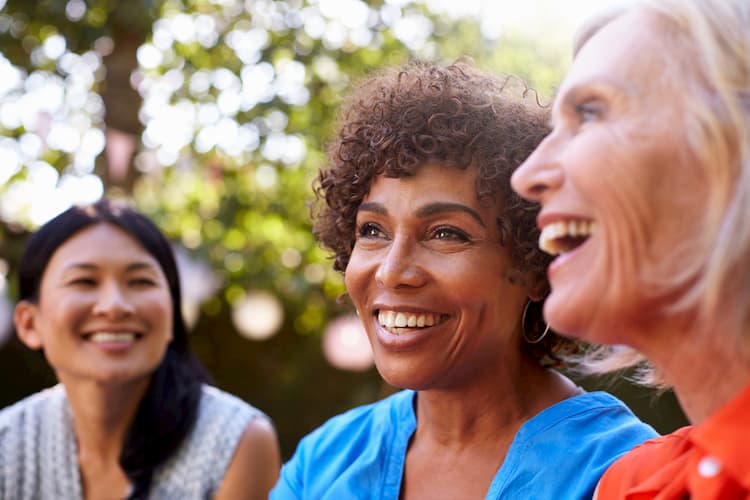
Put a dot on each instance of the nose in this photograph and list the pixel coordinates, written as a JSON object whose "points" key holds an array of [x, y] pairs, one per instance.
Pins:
{"points": [[540, 174], [111, 301], [400, 266]]}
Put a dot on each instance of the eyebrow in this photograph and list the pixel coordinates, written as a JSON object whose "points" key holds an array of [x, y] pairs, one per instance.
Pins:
{"points": [[135, 266], [426, 210], [597, 82], [574, 92]]}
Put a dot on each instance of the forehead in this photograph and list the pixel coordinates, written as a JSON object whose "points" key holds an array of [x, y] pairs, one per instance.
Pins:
{"points": [[100, 243], [431, 179], [628, 51]]}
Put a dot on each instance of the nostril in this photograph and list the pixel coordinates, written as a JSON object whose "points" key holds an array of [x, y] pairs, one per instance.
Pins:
{"points": [[533, 183], [536, 189]]}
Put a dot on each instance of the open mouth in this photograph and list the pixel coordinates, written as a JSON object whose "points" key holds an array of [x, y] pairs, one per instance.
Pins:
{"points": [[564, 236], [112, 337], [398, 322]]}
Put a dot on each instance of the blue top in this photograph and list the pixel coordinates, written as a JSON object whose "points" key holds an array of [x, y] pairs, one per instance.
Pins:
{"points": [[560, 453]]}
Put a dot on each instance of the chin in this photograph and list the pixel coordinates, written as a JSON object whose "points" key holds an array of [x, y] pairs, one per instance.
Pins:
{"points": [[401, 375], [561, 316], [394, 378], [589, 324]]}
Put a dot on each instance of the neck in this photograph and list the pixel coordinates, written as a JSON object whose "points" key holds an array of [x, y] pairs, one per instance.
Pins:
{"points": [[493, 407], [705, 368], [102, 414]]}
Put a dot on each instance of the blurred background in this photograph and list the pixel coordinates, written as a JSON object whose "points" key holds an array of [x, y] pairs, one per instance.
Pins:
{"points": [[212, 116]]}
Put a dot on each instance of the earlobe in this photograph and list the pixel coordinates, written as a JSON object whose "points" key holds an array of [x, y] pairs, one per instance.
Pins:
{"points": [[536, 291], [24, 318], [536, 296]]}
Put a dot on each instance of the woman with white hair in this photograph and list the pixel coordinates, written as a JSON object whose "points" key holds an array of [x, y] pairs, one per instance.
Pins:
{"points": [[644, 184]]}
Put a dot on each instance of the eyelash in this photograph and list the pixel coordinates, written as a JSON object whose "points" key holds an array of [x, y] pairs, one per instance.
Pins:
{"points": [[371, 230], [367, 229], [93, 282], [455, 234], [588, 111], [83, 281], [142, 281]]}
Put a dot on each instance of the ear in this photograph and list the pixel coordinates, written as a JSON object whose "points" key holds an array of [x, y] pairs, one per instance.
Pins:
{"points": [[536, 288], [25, 319], [535, 295]]}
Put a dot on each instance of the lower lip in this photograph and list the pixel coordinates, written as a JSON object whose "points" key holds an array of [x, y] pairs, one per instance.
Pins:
{"points": [[406, 341], [562, 259], [113, 347]]}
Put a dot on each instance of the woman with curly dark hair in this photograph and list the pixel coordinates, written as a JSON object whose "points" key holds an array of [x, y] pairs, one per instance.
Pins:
{"points": [[441, 262]]}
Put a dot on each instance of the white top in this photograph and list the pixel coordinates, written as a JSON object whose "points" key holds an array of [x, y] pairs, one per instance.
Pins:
{"points": [[39, 459]]}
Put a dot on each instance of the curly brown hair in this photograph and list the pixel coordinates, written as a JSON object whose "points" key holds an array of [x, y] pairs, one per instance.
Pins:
{"points": [[401, 118]]}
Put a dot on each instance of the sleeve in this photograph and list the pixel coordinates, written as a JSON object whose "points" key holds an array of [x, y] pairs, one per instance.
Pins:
{"points": [[3, 459], [289, 485], [197, 468], [11, 449], [222, 420]]}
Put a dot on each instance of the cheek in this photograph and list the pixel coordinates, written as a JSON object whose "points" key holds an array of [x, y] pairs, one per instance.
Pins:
{"points": [[620, 194], [157, 308], [66, 311], [480, 281], [354, 277]]}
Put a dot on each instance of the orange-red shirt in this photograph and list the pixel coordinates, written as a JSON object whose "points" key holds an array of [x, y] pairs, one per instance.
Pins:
{"points": [[710, 461]]}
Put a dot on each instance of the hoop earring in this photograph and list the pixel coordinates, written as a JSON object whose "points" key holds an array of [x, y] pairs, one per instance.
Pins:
{"points": [[526, 333]]}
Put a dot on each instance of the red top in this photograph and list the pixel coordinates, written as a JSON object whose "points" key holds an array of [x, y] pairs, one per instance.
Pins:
{"points": [[710, 461]]}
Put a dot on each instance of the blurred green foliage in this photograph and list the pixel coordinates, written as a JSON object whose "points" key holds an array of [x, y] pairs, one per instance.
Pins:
{"points": [[238, 208]]}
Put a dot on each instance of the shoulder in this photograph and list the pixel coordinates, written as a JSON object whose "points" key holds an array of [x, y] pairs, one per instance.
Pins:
{"points": [[215, 402], [201, 462], [360, 424], [224, 415], [582, 436], [34, 438], [257, 444], [255, 465], [642, 461], [595, 412], [222, 419], [599, 422], [350, 450], [657, 450], [30, 408]]}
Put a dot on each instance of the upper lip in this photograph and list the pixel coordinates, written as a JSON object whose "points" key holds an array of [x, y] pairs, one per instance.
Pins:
{"points": [[544, 219], [404, 309], [111, 329]]}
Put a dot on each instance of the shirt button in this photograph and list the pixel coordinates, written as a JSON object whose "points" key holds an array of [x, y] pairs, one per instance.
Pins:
{"points": [[709, 467]]}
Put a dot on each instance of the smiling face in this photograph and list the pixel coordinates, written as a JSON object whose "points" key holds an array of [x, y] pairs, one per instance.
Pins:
{"points": [[620, 193], [429, 279], [104, 311]]}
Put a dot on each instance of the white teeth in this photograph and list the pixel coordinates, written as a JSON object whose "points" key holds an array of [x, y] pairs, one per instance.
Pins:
{"points": [[551, 235], [397, 320], [573, 228], [401, 320], [102, 337]]}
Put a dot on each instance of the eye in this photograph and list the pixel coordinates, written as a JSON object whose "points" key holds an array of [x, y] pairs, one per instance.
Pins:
{"points": [[589, 111], [142, 282], [449, 233], [370, 230], [82, 282]]}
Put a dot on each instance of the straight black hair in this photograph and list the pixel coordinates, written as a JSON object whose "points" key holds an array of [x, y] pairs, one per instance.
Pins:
{"points": [[169, 407]]}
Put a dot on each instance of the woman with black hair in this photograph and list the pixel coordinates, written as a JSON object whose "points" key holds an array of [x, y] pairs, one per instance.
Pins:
{"points": [[132, 416]]}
